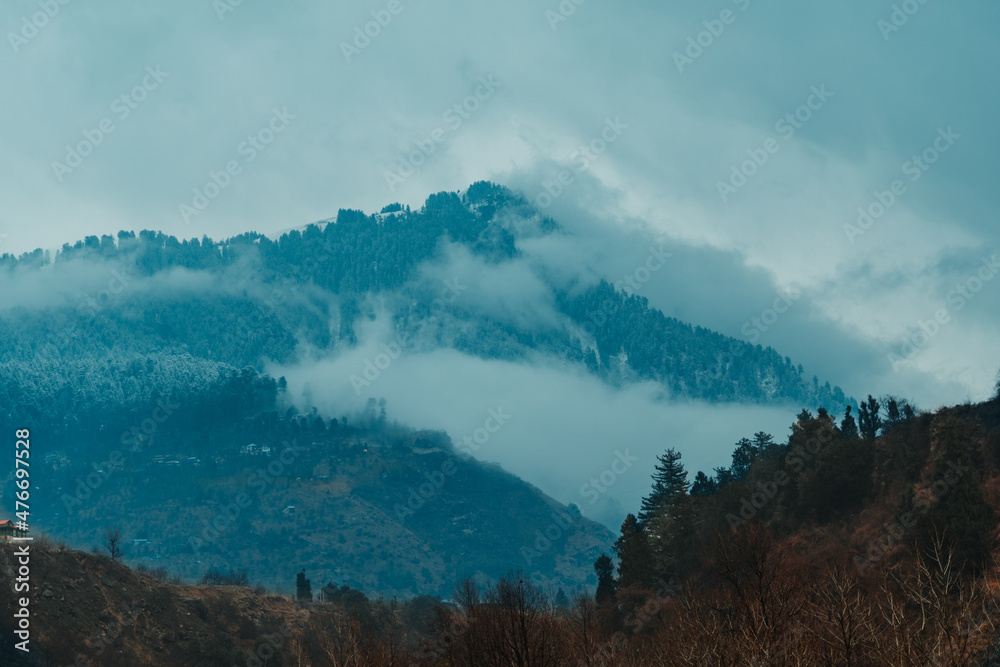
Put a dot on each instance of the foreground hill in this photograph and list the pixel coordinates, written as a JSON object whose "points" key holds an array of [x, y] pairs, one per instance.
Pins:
{"points": [[90, 610], [375, 506], [782, 567], [862, 544]]}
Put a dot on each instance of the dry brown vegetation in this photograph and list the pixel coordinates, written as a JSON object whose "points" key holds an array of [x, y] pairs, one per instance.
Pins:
{"points": [[784, 588]]}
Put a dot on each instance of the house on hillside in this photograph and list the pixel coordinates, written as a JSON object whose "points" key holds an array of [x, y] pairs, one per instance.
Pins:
{"points": [[8, 531], [329, 593]]}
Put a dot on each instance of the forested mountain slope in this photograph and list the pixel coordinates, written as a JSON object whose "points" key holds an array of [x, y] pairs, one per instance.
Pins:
{"points": [[139, 365], [250, 298]]}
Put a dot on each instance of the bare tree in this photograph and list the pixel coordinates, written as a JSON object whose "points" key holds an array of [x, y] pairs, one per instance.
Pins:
{"points": [[843, 618], [113, 542]]}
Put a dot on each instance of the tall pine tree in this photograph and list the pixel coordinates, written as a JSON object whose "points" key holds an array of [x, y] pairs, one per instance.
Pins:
{"points": [[635, 558], [869, 421], [848, 426], [605, 570], [763, 441], [704, 485], [743, 456], [303, 589], [669, 480], [671, 533]]}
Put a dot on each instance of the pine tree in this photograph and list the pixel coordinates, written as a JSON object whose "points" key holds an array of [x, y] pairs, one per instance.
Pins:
{"points": [[763, 442], [723, 476], [635, 558], [743, 456], [703, 485], [869, 421], [671, 533], [848, 426], [892, 411], [303, 589], [605, 578], [669, 480]]}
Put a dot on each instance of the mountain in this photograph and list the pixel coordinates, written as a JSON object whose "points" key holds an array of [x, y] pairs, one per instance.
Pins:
{"points": [[198, 469], [140, 365], [250, 299]]}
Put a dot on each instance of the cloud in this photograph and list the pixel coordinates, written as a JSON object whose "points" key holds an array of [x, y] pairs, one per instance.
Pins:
{"points": [[783, 231], [562, 428], [509, 292]]}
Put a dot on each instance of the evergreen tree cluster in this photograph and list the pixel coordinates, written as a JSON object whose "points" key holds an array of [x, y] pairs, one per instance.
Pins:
{"points": [[250, 300], [821, 475]]}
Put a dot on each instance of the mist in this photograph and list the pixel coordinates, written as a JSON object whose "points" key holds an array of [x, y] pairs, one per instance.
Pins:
{"points": [[564, 429]]}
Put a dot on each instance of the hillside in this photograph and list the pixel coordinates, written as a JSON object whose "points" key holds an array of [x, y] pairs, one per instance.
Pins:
{"points": [[904, 571], [869, 543], [91, 610], [140, 366], [250, 299], [372, 505]]}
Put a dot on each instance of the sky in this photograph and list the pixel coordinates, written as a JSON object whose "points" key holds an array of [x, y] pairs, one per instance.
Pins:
{"points": [[838, 156]]}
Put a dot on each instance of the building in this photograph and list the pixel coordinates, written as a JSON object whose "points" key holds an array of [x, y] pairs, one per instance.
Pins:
{"points": [[8, 531]]}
